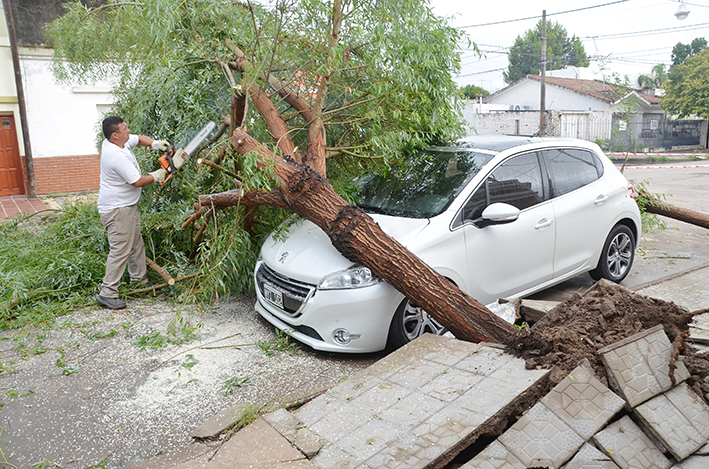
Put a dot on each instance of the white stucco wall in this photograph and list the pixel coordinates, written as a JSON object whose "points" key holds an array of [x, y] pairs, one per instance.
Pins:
{"points": [[527, 93], [63, 120], [8, 90], [491, 121]]}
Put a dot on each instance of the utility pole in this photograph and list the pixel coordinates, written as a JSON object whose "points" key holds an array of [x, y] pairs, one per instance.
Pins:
{"points": [[29, 164], [542, 105]]}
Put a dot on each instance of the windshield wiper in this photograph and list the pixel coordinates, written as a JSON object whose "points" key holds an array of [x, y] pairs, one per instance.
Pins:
{"points": [[373, 209]]}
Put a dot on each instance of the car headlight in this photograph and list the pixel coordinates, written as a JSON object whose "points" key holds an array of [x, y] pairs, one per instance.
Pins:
{"points": [[355, 277]]}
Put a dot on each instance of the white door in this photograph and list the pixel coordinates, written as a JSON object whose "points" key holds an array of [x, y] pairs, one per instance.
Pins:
{"points": [[508, 258]]}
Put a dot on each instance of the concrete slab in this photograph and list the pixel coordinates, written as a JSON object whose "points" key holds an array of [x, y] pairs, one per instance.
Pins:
{"points": [[256, 445], [197, 454], [693, 462], [583, 402], [221, 422], [639, 365], [494, 456], [415, 406], [541, 439], [629, 447], [670, 427], [590, 457]]}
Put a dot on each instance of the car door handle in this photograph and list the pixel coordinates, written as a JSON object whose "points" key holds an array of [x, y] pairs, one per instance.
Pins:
{"points": [[543, 223], [600, 199]]}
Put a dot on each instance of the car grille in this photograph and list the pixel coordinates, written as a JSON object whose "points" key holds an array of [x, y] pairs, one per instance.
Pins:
{"points": [[293, 294]]}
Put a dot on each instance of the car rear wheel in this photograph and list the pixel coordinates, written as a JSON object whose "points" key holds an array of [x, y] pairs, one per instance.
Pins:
{"points": [[410, 322], [617, 255]]}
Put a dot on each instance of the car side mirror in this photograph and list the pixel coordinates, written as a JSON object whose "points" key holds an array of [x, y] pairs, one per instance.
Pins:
{"points": [[497, 214]]}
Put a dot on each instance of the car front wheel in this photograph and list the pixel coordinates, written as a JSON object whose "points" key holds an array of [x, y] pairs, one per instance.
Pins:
{"points": [[411, 322], [617, 255]]}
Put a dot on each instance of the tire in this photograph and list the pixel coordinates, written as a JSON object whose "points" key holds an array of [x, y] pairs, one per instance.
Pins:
{"points": [[617, 255], [409, 323]]}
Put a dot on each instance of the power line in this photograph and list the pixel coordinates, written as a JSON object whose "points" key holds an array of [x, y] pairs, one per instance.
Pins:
{"points": [[651, 31], [539, 16], [480, 73]]}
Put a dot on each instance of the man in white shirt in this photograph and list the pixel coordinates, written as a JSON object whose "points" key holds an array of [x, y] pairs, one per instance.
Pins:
{"points": [[118, 196]]}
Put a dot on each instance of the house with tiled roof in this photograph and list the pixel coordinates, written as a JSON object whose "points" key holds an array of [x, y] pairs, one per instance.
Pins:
{"points": [[578, 108]]}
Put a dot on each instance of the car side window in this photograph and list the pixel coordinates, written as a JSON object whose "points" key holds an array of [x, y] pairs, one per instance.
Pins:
{"points": [[517, 181], [571, 168]]}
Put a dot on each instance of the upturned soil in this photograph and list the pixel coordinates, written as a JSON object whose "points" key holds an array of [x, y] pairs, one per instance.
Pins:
{"points": [[607, 313]]}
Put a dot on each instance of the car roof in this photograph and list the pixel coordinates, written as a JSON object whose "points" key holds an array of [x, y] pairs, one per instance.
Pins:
{"points": [[497, 143]]}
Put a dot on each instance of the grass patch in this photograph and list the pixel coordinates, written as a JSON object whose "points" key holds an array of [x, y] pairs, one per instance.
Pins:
{"points": [[280, 343], [231, 384], [179, 331]]}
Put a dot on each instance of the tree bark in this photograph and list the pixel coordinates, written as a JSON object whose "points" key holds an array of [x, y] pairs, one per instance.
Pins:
{"points": [[659, 207]]}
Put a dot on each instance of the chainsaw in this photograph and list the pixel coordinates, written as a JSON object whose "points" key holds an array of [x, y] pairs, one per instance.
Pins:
{"points": [[173, 160]]}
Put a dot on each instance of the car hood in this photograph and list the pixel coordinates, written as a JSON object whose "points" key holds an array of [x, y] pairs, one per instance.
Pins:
{"points": [[305, 252]]}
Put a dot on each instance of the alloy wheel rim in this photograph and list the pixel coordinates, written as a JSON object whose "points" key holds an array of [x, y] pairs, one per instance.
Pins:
{"points": [[416, 322], [619, 253]]}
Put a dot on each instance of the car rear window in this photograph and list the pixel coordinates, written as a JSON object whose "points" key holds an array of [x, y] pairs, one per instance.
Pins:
{"points": [[570, 169], [424, 186]]}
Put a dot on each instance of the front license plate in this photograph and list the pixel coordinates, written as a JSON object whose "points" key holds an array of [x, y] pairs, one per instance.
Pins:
{"points": [[273, 295]]}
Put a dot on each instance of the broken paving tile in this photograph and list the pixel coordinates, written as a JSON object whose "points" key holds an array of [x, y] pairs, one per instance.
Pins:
{"points": [[699, 329], [284, 422], [583, 402], [401, 416], [692, 406], [494, 456], [590, 457], [220, 422], [670, 427], [639, 365], [693, 462], [540, 438], [629, 447]]}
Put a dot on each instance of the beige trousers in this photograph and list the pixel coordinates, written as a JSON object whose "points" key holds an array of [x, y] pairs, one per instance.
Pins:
{"points": [[125, 247]]}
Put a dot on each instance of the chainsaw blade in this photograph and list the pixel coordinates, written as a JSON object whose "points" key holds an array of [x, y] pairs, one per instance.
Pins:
{"points": [[200, 137]]}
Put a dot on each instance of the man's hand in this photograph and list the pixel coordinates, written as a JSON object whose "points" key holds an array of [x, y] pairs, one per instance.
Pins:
{"points": [[159, 175], [161, 145]]}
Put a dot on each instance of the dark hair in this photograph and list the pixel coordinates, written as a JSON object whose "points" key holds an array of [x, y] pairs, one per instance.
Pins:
{"points": [[110, 125]]}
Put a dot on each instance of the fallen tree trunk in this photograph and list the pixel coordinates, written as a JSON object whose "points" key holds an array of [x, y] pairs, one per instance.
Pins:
{"points": [[658, 207], [361, 240]]}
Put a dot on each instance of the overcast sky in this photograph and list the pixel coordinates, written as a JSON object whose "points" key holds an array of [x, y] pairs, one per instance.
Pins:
{"points": [[631, 35]]}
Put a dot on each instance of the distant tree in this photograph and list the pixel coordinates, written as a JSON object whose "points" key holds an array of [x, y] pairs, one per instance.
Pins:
{"points": [[562, 51], [687, 87], [681, 52], [656, 78], [472, 91]]}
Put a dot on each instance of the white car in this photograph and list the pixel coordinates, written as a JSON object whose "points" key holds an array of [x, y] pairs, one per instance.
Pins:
{"points": [[499, 216]]}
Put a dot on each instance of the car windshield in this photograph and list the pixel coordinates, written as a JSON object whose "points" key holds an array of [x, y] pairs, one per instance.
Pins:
{"points": [[422, 187]]}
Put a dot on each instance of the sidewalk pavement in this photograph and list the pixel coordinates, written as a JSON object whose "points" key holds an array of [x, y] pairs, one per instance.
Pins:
{"points": [[422, 405], [12, 206]]}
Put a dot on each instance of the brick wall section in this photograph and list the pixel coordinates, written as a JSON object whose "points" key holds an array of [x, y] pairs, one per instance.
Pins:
{"points": [[63, 174]]}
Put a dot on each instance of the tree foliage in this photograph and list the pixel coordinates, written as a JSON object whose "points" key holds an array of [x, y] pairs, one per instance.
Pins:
{"points": [[687, 87], [681, 52], [656, 78], [473, 91], [382, 89], [562, 51]]}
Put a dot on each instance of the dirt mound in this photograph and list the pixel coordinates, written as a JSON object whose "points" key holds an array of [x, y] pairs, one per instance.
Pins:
{"points": [[579, 327]]}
